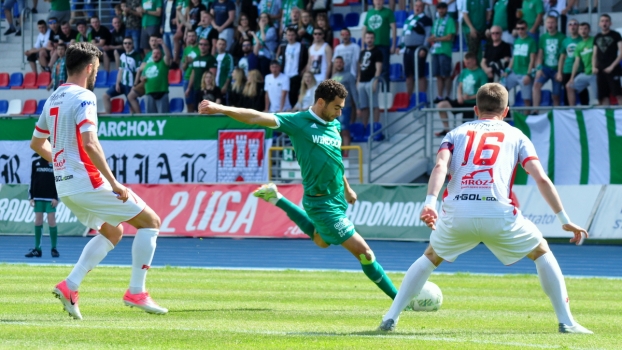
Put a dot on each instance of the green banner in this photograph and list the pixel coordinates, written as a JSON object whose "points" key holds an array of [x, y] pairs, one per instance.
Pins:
{"points": [[17, 216], [389, 212]]}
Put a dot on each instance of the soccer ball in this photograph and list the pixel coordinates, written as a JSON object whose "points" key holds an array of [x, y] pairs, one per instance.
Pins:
{"points": [[429, 299]]}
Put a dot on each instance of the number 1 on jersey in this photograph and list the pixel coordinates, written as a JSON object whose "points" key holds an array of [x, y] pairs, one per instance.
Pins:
{"points": [[54, 114], [483, 146]]}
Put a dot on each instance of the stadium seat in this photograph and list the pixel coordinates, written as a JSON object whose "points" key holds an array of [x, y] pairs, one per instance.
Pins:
{"points": [[176, 105], [377, 137], [143, 108], [126, 108], [400, 102], [174, 77], [352, 19], [547, 98], [336, 21], [357, 131], [90, 7], [340, 3], [16, 81], [4, 81], [382, 104], [116, 105], [362, 20], [396, 72], [112, 78], [15, 107], [4, 106], [102, 79], [40, 107], [518, 100], [30, 107], [30, 81], [336, 41], [354, 2], [457, 70], [423, 98], [400, 18], [43, 80], [613, 100]]}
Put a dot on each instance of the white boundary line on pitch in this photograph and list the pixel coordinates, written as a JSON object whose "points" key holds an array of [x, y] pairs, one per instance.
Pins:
{"points": [[310, 270]]}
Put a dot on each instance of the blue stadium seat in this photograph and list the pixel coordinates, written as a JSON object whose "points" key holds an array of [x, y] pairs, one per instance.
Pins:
{"points": [[112, 78], [143, 108], [423, 97], [518, 100], [377, 137], [40, 107], [336, 21], [357, 130], [400, 18], [396, 72], [352, 19], [4, 106], [547, 98], [89, 8], [17, 80], [101, 81], [126, 108], [176, 105]]}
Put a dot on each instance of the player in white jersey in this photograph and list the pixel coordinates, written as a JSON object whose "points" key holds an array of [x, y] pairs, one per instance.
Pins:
{"points": [[86, 185], [481, 157]]}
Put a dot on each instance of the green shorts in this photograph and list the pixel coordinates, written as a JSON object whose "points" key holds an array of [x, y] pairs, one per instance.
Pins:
{"points": [[328, 214], [44, 207]]}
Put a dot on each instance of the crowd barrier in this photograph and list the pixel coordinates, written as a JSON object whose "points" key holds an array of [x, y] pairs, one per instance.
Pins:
{"points": [[381, 212]]}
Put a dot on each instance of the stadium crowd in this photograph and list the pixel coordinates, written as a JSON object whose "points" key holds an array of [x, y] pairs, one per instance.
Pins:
{"points": [[271, 55]]}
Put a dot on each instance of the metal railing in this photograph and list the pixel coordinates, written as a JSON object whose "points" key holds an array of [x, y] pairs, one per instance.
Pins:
{"points": [[429, 62], [385, 113], [275, 163], [26, 13]]}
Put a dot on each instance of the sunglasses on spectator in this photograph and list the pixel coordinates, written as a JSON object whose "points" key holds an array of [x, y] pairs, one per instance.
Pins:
{"points": [[246, 45], [493, 33], [127, 43], [521, 28], [573, 24]]}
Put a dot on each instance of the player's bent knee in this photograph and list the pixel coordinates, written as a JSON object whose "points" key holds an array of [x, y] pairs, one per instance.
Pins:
{"points": [[317, 239], [540, 250], [368, 257], [432, 256]]}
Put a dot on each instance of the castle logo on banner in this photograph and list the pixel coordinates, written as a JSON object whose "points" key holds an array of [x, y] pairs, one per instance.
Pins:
{"points": [[241, 156]]}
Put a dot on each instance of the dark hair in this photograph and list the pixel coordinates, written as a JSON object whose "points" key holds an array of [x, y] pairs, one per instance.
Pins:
{"points": [[291, 29], [223, 39], [61, 44], [275, 62], [83, 22], [80, 55], [330, 89], [128, 37], [347, 30], [606, 15], [374, 34], [470, 56], [521, 22], [64, 23], [249, 40], [339, 58], [585, 24], [155, 35], [441, 5], [41, 21], [94, 16]]}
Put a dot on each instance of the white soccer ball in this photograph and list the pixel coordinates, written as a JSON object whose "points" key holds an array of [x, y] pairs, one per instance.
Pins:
{"points": [[429, 299]]}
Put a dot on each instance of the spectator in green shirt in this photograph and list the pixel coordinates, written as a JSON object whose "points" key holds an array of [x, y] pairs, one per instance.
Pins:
{"points": [[191, 51], [470, 80], [381, 21], [440, 40], [61, 9], [474, 23], [583, 57], [567, 59], [548, 62], [521, 68], [155, 42], [150, 11], [155, 77], [532, 12]]}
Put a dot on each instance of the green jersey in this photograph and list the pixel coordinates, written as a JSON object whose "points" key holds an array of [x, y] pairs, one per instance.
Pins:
{"points": [[531, 10], [129, 63], [60, 5], [569, 46], [585, 50], [224, 68], [477, 14], [192, 52], [501, 14], [551, 46], [148, 57], [379, 22], [199, 66], [523, 48], [157, 77], [317, 144], [471, 81], [441, 27], [151, 5]]}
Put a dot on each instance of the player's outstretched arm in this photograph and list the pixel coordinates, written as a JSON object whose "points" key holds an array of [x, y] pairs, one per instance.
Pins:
{"points": [[548, 191], [43, 147], [93, 148], [244, 115], [428, 213]]}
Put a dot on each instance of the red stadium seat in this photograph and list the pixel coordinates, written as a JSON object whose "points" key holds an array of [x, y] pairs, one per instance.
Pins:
{"points": [[43, 80], [401, 101], [117, 105], [30, 107], [4, 80], [30, 80], [174, 77]]}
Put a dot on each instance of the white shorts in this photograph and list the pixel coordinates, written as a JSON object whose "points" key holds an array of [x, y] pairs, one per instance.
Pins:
{"points": [[100, 206], [509, 239]]}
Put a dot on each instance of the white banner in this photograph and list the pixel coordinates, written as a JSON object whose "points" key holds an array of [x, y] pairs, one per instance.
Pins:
{"points": [[607, 223], [16, 159], [579, 202]]}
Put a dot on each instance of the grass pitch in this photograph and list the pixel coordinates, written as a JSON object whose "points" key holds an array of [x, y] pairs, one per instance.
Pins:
{"points": [[224, 309]]}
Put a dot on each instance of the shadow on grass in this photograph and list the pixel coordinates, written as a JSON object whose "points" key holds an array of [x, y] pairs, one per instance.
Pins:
{"points": [[179, 311]]}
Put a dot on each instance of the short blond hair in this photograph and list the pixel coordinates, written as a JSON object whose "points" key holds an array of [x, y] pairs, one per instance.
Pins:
{"points": [[492, 98]]}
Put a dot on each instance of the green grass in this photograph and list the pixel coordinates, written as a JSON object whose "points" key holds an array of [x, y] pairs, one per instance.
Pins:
{"points": [[223, 309]]}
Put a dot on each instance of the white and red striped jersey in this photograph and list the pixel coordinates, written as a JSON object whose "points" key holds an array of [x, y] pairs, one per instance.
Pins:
{"points": [[485, 154], [69, 112]]}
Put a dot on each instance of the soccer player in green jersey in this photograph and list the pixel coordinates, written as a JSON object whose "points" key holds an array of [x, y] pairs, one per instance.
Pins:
{"points": [[315, 134]]}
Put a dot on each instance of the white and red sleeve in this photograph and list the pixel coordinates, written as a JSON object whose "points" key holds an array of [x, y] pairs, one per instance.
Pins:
{"points": [[86, 112], [42, 131], [526, 151]]}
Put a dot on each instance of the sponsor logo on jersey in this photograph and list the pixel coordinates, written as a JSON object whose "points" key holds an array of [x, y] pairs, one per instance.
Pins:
{"points": [[87, 103], [478, 179], [324, 140], [59, 164], [56, 96], [474, 197], [313, 126], [343, 226], [63, 178]]}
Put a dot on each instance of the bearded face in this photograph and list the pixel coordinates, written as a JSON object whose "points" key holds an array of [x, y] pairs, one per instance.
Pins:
{"points": [[90, 81]]}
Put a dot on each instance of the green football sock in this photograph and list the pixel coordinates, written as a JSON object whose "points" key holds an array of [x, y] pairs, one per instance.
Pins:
{"points": [[297, 215], [376, 274], [38, 234], [53, 236]]}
